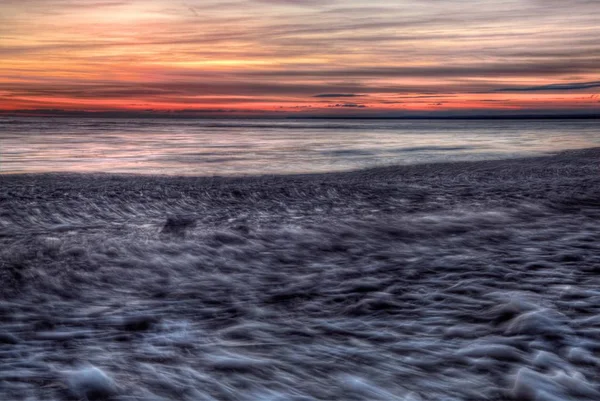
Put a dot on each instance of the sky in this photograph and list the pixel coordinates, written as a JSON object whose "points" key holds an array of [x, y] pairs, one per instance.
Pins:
{"points": [[300, 57]]}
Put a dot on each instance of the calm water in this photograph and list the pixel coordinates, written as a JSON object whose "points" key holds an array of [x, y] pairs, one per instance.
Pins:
{"points": [[225, 147]]}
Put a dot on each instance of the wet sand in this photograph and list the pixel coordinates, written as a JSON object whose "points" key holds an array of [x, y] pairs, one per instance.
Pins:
{"points": [[455, 281]]}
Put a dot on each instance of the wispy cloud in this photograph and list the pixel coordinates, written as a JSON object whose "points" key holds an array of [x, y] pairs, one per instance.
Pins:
{"points": [[553, 87], [335, 95], [295, 2], [298, 54]]}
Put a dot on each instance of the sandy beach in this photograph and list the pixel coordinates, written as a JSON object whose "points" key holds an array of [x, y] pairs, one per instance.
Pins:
{"points": [[448, 281]]}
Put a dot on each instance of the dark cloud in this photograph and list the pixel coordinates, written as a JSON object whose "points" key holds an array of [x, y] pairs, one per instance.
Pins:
{"points": [[553, 87], [186, 89], [179, 91], [337, 95], [563, 4], [247, 89], [348, 105], [475, 70]]}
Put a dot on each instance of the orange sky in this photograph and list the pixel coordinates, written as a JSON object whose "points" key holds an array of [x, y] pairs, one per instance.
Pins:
{"points": [[302, 56]]}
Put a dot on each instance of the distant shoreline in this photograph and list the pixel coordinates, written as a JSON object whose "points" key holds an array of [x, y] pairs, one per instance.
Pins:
{"points": [[184, 116]]}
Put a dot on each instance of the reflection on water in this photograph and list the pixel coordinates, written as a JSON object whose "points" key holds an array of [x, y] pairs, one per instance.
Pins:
{"points": [[225, 147]]}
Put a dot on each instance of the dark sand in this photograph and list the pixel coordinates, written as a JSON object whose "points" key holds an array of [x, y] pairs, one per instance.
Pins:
{"points": [[464, 281]]}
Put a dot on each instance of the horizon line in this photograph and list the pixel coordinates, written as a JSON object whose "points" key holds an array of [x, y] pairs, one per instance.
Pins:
{"points": [[186, 115]]}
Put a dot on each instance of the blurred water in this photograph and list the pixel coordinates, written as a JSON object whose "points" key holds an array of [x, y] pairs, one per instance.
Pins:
{"points": [[457, 282], [239, 147]]}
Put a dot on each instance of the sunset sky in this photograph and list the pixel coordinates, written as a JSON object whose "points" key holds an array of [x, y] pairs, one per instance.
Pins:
{"points": [[302, 56]]}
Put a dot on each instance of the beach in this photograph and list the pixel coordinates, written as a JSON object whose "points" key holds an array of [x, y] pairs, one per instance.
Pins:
{"points": [[473, 280]]}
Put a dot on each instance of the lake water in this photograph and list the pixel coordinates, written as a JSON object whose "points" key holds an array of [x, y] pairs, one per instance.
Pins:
{"points": [[241, 147]]}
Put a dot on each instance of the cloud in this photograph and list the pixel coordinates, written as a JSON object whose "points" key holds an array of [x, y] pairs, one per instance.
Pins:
{"points": [[337, 95], [295, 2], [476, 70], [244, 88], [553, 87], [294, 52], [349, 105]]}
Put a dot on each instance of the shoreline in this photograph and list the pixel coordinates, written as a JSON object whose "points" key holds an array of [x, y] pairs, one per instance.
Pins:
{"points": [[558, 156], [567, 181]]}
